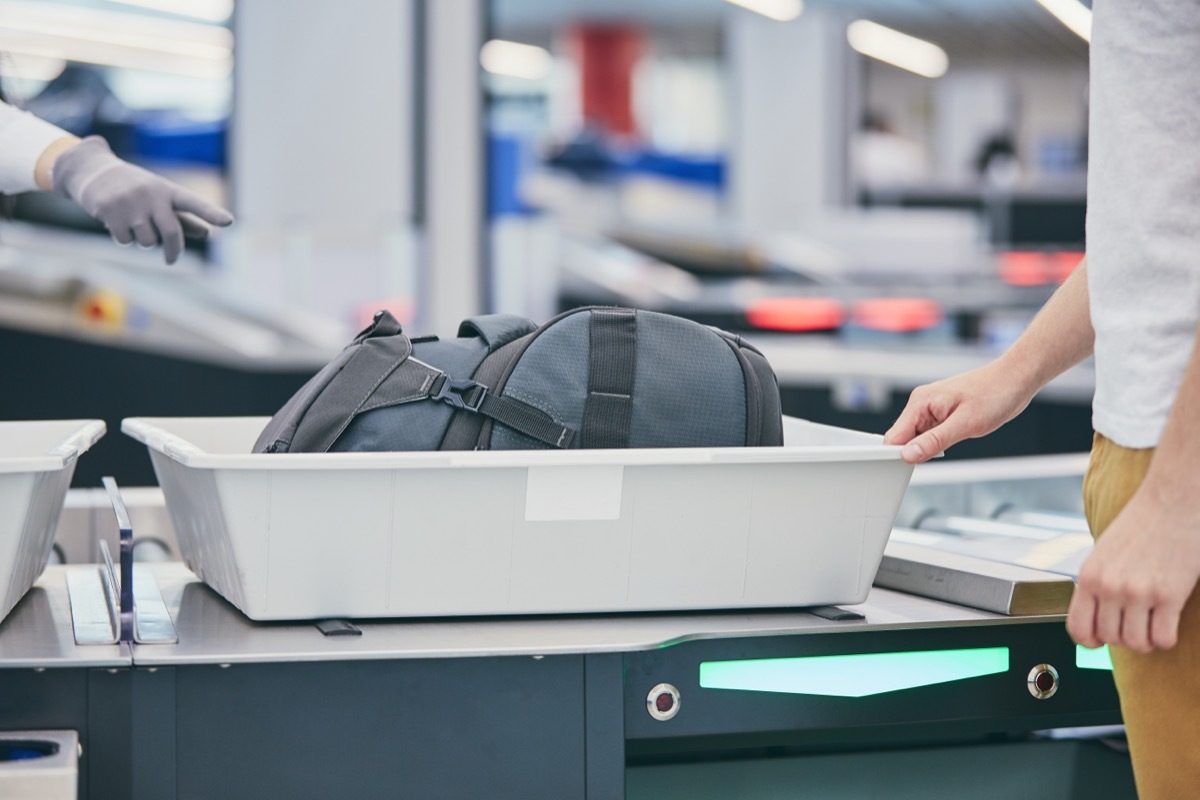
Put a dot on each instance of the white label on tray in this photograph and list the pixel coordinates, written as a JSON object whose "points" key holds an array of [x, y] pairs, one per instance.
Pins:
{"points": [[557, 494]]}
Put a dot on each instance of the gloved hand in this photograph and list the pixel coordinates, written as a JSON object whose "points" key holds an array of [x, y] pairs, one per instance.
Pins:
{"points": [[132, 203]]}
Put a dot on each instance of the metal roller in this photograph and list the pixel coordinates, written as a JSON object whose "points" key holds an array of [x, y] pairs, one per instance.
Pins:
{"points": [[978, 526], [1062, 521]]}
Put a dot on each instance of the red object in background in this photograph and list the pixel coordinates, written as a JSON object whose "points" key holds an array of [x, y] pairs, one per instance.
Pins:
{"points": [[1037, 268], [796, 314], [402, 308], [1064, 264], [607, 55], [897, 314]]}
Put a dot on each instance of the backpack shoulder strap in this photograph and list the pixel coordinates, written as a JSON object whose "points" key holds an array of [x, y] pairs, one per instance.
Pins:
{"points": [[378, 371]]}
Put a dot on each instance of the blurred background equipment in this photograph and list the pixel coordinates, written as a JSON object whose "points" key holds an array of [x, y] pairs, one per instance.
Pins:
{"points": [[770, 169], [785, 169]]}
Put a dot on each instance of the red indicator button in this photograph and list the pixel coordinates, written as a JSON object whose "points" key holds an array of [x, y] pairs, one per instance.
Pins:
{"points": [[663, 702], [1042, 681]]}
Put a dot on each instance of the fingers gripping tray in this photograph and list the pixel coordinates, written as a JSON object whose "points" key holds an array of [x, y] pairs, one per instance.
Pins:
{"points": [[403, 534], [37, 461]]}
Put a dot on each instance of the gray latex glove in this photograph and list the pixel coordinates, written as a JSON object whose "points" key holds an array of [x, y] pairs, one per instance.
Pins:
{"points": [[135, 205]]}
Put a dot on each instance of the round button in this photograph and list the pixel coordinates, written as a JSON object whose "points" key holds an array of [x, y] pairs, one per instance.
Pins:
{"points": [[1042, 681], [663, 702]]}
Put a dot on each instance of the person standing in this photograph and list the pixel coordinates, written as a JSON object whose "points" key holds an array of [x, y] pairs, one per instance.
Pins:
{"points": [[1135, 304], [134, 204]]}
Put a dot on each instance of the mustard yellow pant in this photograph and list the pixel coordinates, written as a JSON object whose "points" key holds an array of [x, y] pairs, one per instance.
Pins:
{"points": [[1160, 691]]}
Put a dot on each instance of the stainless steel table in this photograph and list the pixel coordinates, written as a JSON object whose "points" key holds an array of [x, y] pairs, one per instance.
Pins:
{"points": [[563, 707], [48, 682]]}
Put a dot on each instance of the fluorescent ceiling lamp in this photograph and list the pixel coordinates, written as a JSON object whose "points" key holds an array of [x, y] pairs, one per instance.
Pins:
{"points": [[135, 31], [898, 49], [114, 38], [1093, 658], [1073, 14], [781, 10], [515, 60], [105, 55], [207, 10], [858, 675]]}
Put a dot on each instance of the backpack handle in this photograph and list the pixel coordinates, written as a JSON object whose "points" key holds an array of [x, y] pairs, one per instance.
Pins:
{"points": [[496, 330]]}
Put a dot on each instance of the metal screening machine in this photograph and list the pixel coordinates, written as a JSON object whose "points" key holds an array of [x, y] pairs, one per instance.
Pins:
{"points": [[937, 686]]}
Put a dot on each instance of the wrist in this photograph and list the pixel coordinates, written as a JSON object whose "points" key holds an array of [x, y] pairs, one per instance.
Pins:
{"points": [[1020, 371], [1171, 481], [43, 171], [79, 163]]}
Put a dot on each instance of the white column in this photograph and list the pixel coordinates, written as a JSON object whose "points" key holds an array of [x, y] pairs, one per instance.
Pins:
{"points": [[793, 92], [321, 151], [453, 278]]}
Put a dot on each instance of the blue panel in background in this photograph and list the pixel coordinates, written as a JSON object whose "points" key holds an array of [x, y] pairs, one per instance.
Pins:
{"points": [[507, 161], [689, 169], [180, 142]]}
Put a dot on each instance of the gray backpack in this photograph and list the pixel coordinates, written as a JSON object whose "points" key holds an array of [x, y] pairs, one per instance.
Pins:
{"points": [[592, 378]]}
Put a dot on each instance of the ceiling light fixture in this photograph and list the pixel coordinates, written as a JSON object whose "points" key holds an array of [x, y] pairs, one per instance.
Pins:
{"points": [[113, 38], [898, 49], [515, 60], [1073, 14], [207, 10]]}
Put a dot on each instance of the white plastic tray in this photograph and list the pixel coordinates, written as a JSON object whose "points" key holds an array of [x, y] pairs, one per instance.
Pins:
{"points": [[37, 461], [306, 536]]}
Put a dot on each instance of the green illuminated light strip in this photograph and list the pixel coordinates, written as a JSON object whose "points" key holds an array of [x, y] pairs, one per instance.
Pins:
{"points": [[1098, 658], [853, 675]]}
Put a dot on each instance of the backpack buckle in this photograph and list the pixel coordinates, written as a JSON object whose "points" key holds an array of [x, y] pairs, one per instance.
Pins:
{"points": [[457, 393]]}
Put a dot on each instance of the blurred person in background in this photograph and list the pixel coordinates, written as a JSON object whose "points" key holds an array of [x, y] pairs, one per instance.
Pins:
{"points": [[883, 159], [1134, 303], [135, 205], [997, 162]]}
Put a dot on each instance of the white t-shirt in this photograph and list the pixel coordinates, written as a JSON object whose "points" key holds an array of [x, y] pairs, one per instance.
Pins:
{"points": [[1143, 222], [23, 139]]}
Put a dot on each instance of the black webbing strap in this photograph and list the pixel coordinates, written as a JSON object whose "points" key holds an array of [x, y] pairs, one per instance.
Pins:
{"points": [[526, 419], [469, 395], [464, 429], [612, 364]]}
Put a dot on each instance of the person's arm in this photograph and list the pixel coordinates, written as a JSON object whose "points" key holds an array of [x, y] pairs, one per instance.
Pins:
{"points": [[975, 403], [25, 141], [134, 204], [1133, 587]]}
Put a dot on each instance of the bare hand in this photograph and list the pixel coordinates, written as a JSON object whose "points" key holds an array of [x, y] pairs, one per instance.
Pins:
{"points": [[944, 413], [1133, 587]]}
